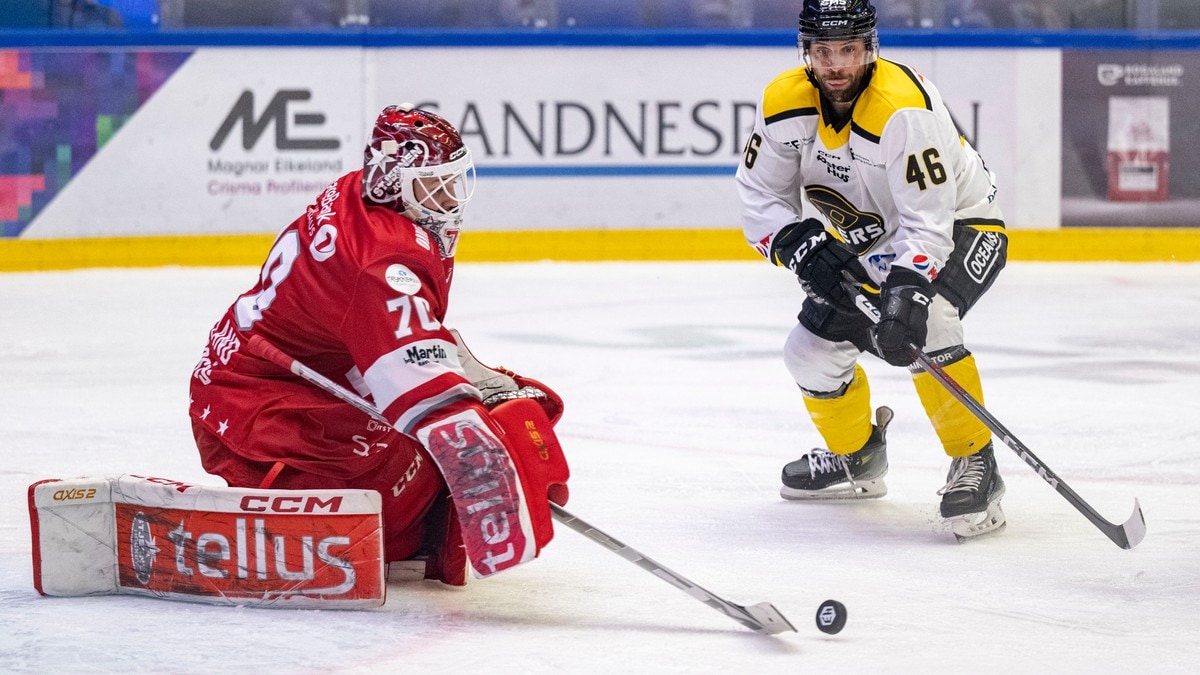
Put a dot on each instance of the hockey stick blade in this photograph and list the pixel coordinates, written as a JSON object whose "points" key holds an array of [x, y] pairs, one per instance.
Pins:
{"points": [[1126, 535], [1132, 531], [761, 618]]}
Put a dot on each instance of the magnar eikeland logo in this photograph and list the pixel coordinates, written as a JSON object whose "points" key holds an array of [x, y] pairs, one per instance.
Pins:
{"points": [[285, 171], [275, 113]]}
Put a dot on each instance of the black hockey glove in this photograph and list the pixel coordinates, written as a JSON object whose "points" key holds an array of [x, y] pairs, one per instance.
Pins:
{"points": [[903, 315], [818, 260]]}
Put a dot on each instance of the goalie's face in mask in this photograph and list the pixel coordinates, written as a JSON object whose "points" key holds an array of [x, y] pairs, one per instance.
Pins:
{"points": [[441, 194], [416, 164]]}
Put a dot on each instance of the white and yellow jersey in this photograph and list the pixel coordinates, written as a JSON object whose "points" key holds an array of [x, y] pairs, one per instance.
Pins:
{"points": [[889, 183]]}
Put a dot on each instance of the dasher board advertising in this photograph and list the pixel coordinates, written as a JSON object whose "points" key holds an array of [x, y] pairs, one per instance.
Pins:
{"points": [[1130, 138], [241, 140]]}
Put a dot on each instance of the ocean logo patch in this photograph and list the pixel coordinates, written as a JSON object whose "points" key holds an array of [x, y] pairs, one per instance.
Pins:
{"points": [[982, 255]]}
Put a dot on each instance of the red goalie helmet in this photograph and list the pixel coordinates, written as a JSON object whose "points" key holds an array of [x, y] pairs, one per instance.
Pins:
{"points": [[416, 164]]}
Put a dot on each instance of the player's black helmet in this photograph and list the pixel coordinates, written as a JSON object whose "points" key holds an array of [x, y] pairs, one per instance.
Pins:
{"points": [[822, 20], [836, 19]]}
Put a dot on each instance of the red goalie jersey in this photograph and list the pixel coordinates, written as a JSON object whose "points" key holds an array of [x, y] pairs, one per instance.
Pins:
{"points": [[357, 290], [358, 293]]}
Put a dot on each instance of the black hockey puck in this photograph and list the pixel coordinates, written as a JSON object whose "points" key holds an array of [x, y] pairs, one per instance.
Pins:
{"points": [[831, 617]]}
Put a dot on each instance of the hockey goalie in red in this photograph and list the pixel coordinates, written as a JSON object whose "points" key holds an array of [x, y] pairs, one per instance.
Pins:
{"points": [[357, 289]]}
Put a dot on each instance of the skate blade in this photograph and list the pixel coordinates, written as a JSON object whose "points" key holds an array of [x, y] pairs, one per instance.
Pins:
{"points": [[972, 526], [870, 489]]}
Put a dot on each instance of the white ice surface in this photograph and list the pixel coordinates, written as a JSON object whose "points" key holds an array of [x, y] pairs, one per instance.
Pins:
{"points": [[679, 417]]}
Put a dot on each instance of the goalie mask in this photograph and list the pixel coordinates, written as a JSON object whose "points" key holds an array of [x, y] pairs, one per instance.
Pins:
{"points": [[829, 29], [416, 164]]}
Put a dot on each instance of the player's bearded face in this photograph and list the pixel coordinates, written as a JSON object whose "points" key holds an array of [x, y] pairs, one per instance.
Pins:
{"points": [[839, 67]]}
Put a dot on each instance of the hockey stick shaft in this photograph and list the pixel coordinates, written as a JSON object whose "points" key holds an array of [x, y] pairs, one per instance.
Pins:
{"points": [[1126, 535], [762, 618], [260, 347]]}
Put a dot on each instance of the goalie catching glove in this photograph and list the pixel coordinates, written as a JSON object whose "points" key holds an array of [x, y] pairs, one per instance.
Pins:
{"points": [[818, 260], [499, 385]]}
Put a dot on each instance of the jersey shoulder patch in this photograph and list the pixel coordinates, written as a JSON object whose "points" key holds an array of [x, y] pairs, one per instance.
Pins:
{"points": [[791, 94], [893, 87]]}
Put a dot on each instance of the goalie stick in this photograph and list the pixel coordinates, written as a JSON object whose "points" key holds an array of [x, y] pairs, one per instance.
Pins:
{"points": [[762, 618], [1126, 535]]}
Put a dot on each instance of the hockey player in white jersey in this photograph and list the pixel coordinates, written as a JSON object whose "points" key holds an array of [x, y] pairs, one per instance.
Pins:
{"points": [[855, 168]]}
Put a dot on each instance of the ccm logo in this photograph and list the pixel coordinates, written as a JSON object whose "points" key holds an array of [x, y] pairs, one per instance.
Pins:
{"points": [[283, 504], [179, 487], [73, 494]]}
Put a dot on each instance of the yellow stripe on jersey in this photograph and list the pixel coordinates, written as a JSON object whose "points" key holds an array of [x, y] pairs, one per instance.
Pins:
{"points": [[893, 87], [833, 138], [792, 94], [788, 95]]}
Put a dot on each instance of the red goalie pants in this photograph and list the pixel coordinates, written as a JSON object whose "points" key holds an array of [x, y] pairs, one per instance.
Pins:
{"points": [[414, 503]]}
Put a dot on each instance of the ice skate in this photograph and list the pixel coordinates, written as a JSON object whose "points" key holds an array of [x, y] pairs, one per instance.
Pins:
{"points": [[971, 496], [821, 474]]}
